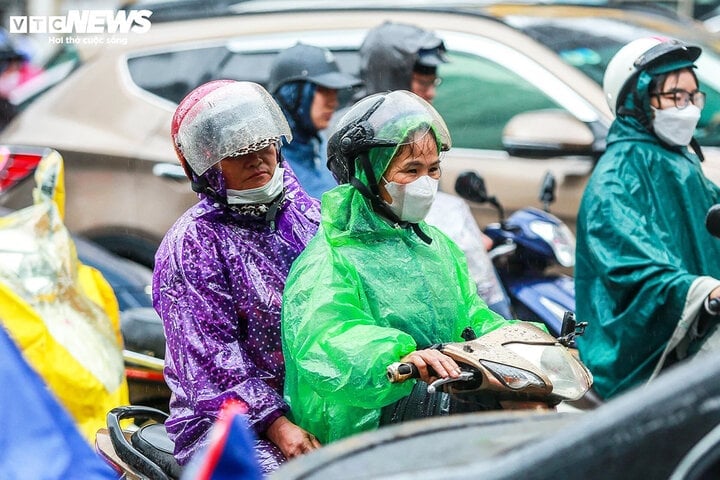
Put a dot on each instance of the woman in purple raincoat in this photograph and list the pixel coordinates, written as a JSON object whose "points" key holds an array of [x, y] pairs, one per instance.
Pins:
{"points": [[221, 269]]}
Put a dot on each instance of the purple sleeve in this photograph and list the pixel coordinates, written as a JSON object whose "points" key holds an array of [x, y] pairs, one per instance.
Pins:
{"points": [[206, 361]]}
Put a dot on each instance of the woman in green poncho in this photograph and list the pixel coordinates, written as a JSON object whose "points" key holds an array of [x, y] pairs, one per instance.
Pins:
{"points": [[646, 266], [376, 285]]}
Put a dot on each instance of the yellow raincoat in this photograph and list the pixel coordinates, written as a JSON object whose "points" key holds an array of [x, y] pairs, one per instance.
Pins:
{"points": [[63, 315]]}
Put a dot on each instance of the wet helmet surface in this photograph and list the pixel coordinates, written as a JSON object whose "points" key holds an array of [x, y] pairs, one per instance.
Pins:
{"points": [[225, 118]]}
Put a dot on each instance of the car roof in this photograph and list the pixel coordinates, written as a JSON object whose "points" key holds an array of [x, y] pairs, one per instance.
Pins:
{"points": [[173, 10]]}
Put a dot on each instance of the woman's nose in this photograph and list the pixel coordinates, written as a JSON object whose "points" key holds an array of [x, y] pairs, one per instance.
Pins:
{"points": [[253, 160]]}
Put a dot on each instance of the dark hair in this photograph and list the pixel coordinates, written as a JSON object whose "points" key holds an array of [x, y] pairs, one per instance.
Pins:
{"points": [[424, 69], [657, 81]]}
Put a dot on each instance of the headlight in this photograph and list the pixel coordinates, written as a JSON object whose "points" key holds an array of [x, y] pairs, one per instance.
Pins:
{"points": [[560, 239], [570, 379], [512, 377]]}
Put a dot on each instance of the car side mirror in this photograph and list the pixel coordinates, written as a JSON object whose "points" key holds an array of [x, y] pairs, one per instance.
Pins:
{"points": [[547, 133]]}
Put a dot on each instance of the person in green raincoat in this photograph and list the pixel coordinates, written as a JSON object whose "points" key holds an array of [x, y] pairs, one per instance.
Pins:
{"points": [[376, 285], [646, 265]]}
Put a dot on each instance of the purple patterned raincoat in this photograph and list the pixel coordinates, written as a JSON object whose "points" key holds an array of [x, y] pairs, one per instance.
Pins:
{"points": [[218, 283]]}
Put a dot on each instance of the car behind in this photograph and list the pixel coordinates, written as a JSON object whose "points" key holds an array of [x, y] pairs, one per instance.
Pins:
{"points": [[521, 96]]}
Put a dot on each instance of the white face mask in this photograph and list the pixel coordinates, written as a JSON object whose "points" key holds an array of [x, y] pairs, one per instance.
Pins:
{"points": [[411, 202], [264, 194], [675, 126]]}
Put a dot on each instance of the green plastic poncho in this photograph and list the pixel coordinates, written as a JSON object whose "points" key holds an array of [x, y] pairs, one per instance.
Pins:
{"points": [[641, 244], [363, 294]]}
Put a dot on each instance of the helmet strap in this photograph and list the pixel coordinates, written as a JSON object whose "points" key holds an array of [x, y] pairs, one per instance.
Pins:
{"points": [[273, 209], [696, 148], [199, 184]]}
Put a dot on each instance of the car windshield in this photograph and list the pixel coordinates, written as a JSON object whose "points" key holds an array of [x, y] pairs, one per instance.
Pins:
{"points": [[588, 43]]}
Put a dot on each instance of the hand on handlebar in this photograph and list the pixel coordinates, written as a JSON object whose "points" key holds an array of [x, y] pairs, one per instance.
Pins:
{"points": [[432, 364]]}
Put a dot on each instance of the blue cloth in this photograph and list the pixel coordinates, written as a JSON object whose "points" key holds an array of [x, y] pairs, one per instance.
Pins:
{"points": [[39, 439], [308, 161], [307, 153], [231, 453]]}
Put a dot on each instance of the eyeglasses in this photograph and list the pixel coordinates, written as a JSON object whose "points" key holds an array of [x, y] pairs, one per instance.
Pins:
{"points": [[426, 84], [682, 98]]}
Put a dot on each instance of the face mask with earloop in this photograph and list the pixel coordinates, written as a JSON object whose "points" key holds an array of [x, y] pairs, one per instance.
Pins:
{"points": [[264, 194], [411, 202], [676, 126]]}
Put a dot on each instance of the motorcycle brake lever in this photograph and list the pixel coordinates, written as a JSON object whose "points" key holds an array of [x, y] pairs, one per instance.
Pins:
{"points": [[464, 377]]}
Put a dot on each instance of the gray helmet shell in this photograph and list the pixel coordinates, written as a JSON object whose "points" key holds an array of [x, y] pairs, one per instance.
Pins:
{"points": [[308, 63]]}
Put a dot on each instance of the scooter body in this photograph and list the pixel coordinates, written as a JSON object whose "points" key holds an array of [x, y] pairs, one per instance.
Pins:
{"points": [[517, 366], [542, 299], [525, 248], [145, 452]]}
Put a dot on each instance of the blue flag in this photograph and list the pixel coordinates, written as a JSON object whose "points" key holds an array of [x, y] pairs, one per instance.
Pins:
{"points": [[39, 438]]}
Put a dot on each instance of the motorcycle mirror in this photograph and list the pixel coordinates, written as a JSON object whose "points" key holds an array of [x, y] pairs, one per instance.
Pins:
{"points": [[547, 190], [570, 329], [712, 220], [568, 324], [471, 186]]}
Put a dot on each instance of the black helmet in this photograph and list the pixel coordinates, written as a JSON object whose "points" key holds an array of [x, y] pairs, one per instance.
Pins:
{"points": [[369, 135], [380, 120], [311, 64]]}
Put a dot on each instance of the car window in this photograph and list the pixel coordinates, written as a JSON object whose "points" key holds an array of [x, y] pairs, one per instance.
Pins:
{"points": [[171, 75], [588, 43], [478, 97]]}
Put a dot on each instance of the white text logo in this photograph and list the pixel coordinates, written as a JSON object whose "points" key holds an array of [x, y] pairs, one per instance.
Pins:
{"points": [[84, 21]]}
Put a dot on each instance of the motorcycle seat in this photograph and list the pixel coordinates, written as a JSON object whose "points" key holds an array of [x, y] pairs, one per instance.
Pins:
{"points": [[152, 441], [142, 331]]}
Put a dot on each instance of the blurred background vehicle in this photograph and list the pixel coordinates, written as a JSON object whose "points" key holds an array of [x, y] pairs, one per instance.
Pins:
{"points": [[521, 96], [130, 281], [141, 327]]}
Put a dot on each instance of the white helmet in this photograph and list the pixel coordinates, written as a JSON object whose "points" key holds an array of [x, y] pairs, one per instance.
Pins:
{"points": [[644, 54]]}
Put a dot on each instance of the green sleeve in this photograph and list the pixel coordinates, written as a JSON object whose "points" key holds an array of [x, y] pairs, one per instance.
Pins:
{"points": [[332, 341]]}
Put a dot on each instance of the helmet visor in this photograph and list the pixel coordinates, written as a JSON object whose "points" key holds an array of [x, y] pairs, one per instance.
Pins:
{"points": [[667, 56], [391, 116], [237, 119]]}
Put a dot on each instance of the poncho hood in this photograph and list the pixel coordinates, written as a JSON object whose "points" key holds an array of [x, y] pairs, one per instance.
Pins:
{"points": [[388, 54]]}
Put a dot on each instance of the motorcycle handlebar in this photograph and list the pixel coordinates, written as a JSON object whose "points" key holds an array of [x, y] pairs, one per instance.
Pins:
{"points": [[398, 372], [714, 306]]}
